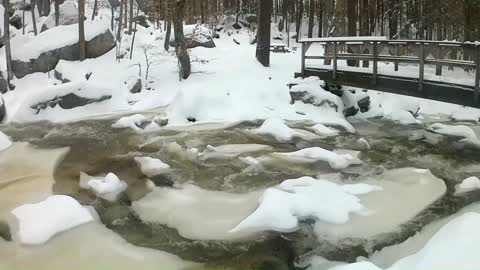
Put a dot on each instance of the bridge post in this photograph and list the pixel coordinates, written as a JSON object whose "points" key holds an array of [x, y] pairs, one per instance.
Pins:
{"points": [[303, 59], [375, 63], [397, 52], [421, 67], [335, 48], [477, 76]]}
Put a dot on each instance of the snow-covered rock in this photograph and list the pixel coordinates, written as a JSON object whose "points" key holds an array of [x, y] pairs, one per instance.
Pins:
{"points": [[151, 166], [41, 53], [459, 131], [134, 122], [41, 221], [4, 141], [469, 184], [402, 117], [282, 207], [3, 109], [68, 15], [108, 187], [310, 155], [277, 128], [309, 91]]}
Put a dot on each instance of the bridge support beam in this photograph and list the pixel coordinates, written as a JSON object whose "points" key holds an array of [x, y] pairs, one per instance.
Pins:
{"points": [[421, 67]]}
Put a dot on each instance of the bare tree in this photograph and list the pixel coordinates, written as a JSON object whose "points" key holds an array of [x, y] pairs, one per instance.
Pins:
{"points": [[263, 34], [180, 48], [34, 21], [119, 29], [130, 28], [81, 29], [311, 18], [57, 12], [8, 52], [168, 24], [95, 7]]}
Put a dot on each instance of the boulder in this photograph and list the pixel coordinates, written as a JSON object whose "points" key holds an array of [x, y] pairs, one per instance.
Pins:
{"points": [[16, 21], [307, 98], [68, 16], [136, 87], [5, 231], [3, 110], [142, 20], [44, 61]]}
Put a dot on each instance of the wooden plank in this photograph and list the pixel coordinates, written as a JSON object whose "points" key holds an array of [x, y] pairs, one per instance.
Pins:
{"points": [[421, 67], [477, 77]]}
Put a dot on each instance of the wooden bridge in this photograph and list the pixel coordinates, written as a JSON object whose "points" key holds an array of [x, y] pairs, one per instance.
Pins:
{"points": [[402, 66]]}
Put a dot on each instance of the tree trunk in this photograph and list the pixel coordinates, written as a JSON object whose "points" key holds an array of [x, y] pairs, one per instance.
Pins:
{"points": [[311, 18], [119, 30], [130, 25], [320, 18], [57, 12], [46, 7], [180, 48], [263, 35], [23, 17], [299, 18], [125, 16], [40, 7], [81, 29], [95, 6], [8, 52], [168, 33], [34, 21]]}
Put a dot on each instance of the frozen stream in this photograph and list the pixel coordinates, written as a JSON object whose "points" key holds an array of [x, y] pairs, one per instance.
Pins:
{"points": [[189, 209]]}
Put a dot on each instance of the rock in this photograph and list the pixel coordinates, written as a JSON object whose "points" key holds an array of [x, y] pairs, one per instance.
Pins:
{"points": [[307, 98], [251, 19], [137, 87], [46, 61], [3, 110], [16, 21], [68, 101], [237, 26], [350, 111], [142, 20], [59, 76], [3, 84], [162, 181], [5, 231], [364, 104], [68, 16]]}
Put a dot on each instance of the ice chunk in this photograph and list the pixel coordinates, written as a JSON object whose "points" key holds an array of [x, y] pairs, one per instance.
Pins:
{"points": [[277, 128], [151, 166], [314, 154], [4, 141], [134, 122], [456, 131], [185, 209], [402, 117], [108, 187], [282, 206], [41, 221], [322, 130], [251, 161], [233, 150], [467, 185]]}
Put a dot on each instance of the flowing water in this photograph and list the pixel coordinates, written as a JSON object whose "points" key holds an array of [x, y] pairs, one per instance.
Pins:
{"points": [[97, 149]]}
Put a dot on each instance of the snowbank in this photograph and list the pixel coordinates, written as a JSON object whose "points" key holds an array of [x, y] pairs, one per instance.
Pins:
{"points": [[314, 154], [282, 207], [151, 166], [184, 208], [41, 221], [108, 187], [4, 141], [467, 185]]}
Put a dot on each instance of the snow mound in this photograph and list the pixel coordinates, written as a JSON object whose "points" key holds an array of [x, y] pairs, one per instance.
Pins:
{"points": [[455, 131], [108, 187], [41, 221], [134, 122], [467, 185], [277, 128], [151, 166], [310, 155], [281, 207], [5, 141], [184, 208]]}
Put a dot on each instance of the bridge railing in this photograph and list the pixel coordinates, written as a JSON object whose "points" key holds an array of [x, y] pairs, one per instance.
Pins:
{"points": [[378, 49]]}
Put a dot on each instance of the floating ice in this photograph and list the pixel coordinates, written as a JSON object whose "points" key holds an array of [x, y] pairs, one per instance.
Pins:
{"points": [[4, 141], [108, 187], [233, 150], [456, 131], [151, 166], [314, 154], [134, 122], [467, 185], [277, 128], [323, 130]]}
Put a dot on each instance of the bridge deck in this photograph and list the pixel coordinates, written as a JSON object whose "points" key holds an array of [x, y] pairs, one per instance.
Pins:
{"points": [[370, 51]]}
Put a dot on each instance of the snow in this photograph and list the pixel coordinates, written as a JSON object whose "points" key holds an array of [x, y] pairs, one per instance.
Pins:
{"points": [[322, 130], [68, 15], [467, 114], [281, 207], [184, 208], [134, 122], [41, 221], [277, 128], [314, 154], [455, 131], [233, 150], [5, 141], [151, 166], [469, 184], [250, 161], [329, 39], [108, 187], [402, 117], [30, 47]]}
